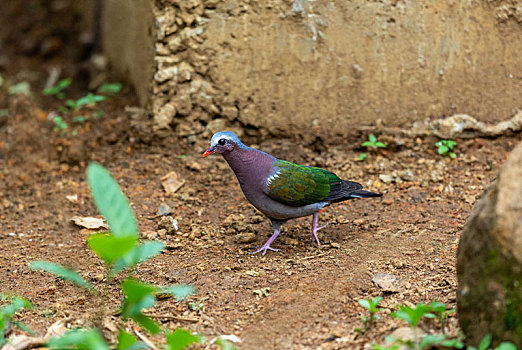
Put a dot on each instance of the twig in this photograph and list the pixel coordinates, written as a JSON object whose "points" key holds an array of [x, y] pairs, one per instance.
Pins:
{"points": [[174, 317], [145, 340]]}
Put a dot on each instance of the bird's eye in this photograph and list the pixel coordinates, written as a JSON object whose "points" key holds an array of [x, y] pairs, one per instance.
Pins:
{"points": [[222, 141]]}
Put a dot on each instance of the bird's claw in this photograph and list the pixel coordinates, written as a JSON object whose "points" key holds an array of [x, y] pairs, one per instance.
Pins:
{"points": [[264, 249]]}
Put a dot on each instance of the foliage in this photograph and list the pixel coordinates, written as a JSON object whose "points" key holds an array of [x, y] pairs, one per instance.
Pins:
{"points": [[197, 306], [371, 144], [82, 109], [57, 90], [445, 147], [109, 89], [435, 310], [371, 306], [22, 87], [61, 272], [8, 311], [120, 250]]}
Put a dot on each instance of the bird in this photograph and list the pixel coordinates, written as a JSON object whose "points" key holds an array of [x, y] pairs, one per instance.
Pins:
{"points": [[280, 189]]}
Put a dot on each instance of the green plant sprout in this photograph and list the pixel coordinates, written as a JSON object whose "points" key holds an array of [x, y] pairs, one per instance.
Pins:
{"points": [[371, 144], [438, 311], [57, 90], [87, 100], [72, 107], [371, 306], [119, 249], [486, 342], [445, 147], [59, 123], [109, 89], [8, 311], [197, 306]]}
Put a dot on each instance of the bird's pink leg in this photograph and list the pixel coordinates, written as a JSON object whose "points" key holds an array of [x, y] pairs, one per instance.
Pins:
{"points": [[315, 228], [266, 246]]}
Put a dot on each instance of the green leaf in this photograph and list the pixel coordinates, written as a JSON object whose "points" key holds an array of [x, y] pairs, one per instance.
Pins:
{"points": [[80, 119], [380, 144], [56, 90], [109, 247], [450, 144], [179, 291], [453, 155], [443, 149], [365, 303], [146, 322], [181, 339], [22, 87], [224, 344], [368, 144], [109, 88], [506, 346], [127, 341], [83, 339], [361, 157], [372, 138], [23, 327], [412, 315], [139, 296], [89, 99], [431, 339], [452, 343], [17, 304], [62, 272], [485, 342], [111, 202], [137, 255]]}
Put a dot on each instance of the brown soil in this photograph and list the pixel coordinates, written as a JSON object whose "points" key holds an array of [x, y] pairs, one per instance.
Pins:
{"points": [[412, 232]]}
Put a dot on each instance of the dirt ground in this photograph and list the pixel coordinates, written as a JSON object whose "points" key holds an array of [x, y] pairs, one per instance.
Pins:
{"points": [[299, 298]]}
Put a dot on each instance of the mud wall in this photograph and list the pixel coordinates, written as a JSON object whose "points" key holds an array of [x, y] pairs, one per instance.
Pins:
{"points": [[317, 68]]}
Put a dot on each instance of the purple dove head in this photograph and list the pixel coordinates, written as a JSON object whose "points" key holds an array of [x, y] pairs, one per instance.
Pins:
{"points": [[223, 142]]}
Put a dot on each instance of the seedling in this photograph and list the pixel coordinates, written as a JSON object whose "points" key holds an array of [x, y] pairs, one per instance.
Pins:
{"points": [[445, 147], [57, 90], [371, 144], [8, 311], [371, 306], [59, 123], [87, 100], [438, 311], [109, 89], [22, 87], [120, 250], [486, 342], [197, 306]]}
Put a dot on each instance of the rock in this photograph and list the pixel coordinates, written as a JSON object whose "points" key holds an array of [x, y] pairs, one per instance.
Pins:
{"points": [[169, 224], [171, 182], [387, 282], [163, 210], [386, 178], [489, 261], [245, 237], [416, 194], [90, 222], [164, 116], [406, 175], [406, 333]]}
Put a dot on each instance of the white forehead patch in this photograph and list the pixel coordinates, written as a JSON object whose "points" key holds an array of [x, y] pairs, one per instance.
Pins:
{"points": [[227, 135]]}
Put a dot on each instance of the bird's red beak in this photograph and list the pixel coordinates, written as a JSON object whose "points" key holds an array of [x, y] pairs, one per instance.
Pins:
{"points": [[208, 152]]}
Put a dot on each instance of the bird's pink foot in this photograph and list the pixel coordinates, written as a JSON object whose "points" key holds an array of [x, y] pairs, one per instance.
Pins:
{"points": [[264, 249], [314, 234]]}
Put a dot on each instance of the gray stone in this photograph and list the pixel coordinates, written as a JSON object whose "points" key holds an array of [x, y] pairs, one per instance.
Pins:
{"points": [[489, 261]]}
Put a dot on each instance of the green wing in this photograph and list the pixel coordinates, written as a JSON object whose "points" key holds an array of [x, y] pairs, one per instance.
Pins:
{"points": [[299, 185]]}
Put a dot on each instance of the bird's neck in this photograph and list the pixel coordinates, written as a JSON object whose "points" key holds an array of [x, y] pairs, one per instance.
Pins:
{"points": [[248, 164]]}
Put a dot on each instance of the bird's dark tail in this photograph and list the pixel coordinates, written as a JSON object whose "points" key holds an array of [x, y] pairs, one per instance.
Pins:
{"points": [[364, 194]]}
